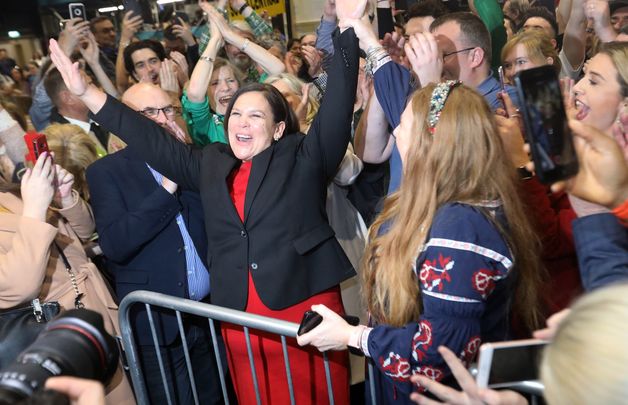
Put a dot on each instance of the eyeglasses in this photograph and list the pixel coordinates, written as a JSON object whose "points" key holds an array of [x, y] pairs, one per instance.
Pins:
{"points": [[455, 52], [167, 110]]}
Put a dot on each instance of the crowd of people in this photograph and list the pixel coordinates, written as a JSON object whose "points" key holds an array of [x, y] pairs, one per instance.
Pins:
{"points": [[375, 167]]}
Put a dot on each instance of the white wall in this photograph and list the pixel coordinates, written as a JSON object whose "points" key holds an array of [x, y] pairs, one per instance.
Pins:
{"points": [[307, 15], [28, 46]]}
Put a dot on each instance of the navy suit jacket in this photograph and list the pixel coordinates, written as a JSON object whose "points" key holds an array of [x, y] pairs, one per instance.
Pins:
{"points": [[602, 248], [138, 233]]}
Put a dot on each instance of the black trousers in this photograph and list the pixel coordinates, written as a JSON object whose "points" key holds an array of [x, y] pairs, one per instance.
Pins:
{"points": [[203, 361]]}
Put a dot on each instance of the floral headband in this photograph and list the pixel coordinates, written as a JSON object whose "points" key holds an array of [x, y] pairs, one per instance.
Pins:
{"points": [[437, 102]]}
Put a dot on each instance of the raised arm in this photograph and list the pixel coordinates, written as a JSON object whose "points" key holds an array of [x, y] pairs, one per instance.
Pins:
{"points": [[151, 142], [202, 73], [91, 54], [574, 41]]}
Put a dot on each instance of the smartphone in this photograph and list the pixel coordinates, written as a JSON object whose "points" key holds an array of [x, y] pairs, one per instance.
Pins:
{"points": [[312, 319], [77, 10], [547, 129], [134, 6], [502, 82], [503, 364], [36, 144]]}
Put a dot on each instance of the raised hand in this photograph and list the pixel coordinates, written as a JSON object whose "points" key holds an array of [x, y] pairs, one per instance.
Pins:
{"points": [[182, 30], [425, 57], [314, 60], [130, 25], [329, 10], [599, 12], [63, 191], [301, 110], [74, 31], [168, 77], [90, 53], [393, 44], [181, 66], [350, 9], [218, 21], [72, 77], [37, 189]]}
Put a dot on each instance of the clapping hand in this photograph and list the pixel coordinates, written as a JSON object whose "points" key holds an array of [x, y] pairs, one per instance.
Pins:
{"points": [[168, 77], [63, 191]]}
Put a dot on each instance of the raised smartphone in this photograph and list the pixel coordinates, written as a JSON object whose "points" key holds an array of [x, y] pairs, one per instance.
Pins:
{"points": [[503, 364], [36, 144], [547, 129], [77, 10]]}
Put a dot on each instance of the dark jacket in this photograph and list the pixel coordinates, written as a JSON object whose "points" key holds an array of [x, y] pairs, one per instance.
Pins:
{"points": [[602, 249], [285, 241], [136, 223]]}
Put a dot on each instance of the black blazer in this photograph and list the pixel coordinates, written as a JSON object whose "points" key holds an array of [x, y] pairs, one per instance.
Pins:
{"points": [[285, 241], [136, 223]]}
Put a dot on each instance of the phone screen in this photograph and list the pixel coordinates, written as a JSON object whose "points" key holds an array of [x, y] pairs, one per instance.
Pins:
{"points": [[547, 129], [77, 10], [514, 364]]}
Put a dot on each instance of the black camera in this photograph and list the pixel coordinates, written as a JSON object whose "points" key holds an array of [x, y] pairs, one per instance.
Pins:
{"points": [[73, 344]]}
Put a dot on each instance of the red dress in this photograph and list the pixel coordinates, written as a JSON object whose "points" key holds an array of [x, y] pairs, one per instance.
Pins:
{"points": [[306, 363]]}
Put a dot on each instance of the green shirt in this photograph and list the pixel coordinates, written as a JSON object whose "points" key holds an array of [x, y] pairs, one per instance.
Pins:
{"points": [[204, 127]]}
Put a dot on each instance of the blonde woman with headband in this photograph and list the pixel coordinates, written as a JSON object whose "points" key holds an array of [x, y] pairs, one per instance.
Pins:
{"points": [[451, 252]]}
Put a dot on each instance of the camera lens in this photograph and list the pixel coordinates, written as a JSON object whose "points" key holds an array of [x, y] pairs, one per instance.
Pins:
{"points": [[74, 344]]}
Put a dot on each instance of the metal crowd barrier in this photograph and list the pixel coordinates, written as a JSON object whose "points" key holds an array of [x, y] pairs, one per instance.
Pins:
{"points": [[212, 313]]}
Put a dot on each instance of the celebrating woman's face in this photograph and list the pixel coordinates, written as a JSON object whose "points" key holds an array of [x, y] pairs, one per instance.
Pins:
{"points": [[518, 60], [251, 126], [598, 94], [222, 87]]}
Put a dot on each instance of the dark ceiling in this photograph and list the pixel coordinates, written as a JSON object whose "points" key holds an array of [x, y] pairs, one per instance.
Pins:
{"points": [[25, 15]]}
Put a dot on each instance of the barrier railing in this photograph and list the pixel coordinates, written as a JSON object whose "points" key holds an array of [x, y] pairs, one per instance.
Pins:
{"points": [[212, 313]]}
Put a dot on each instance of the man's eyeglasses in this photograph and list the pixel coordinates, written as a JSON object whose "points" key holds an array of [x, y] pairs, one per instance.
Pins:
{"points": [[455, 52], [167, 110]]}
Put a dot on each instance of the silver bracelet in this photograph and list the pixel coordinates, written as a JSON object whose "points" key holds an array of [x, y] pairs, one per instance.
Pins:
{"points": [[207, 59], [245, 44]]}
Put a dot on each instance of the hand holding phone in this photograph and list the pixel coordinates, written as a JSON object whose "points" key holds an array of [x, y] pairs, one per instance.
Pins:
{"points": [[502, 364], [77, 10], [312, 319], [36, 144]]}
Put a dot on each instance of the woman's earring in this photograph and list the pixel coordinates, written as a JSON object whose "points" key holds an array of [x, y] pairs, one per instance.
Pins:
{"points": [[276, 137]]}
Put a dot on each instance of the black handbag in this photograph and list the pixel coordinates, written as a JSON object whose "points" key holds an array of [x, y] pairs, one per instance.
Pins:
{"points": [[19, 327]]}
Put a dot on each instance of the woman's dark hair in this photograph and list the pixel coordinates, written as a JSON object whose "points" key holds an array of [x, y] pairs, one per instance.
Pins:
{"points": [[155, 46], [278, 105]]}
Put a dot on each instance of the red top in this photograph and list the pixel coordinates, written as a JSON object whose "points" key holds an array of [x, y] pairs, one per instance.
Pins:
{"points": [[238, 181]]}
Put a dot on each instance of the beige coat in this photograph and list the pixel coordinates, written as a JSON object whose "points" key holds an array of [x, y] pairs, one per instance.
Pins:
{"points": [[31, 267]]}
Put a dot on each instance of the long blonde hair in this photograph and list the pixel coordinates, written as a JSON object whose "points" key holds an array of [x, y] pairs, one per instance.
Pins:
{"points": [[587, 361], [74, 151], [618, 52], [463, 161]]}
